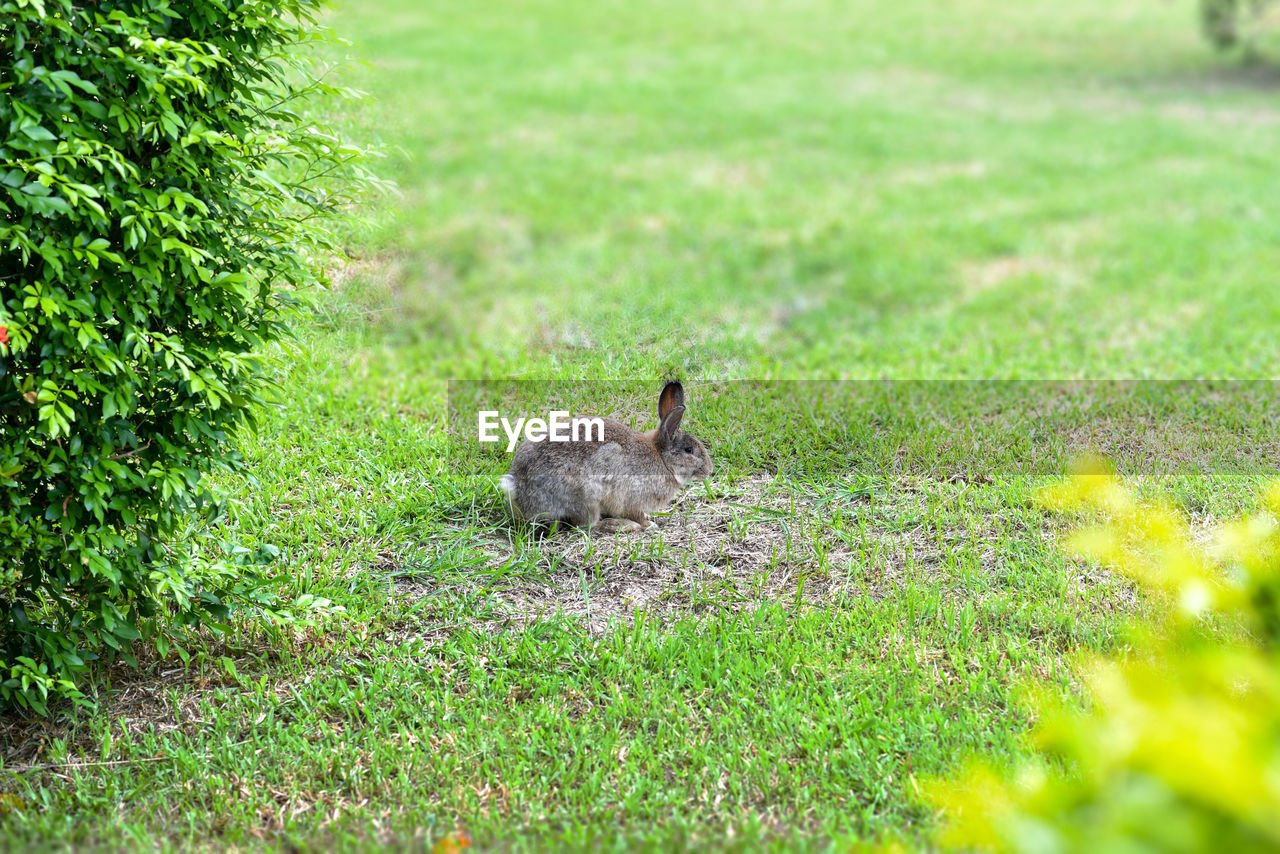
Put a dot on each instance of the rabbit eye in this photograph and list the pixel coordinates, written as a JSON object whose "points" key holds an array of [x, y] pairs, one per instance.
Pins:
{"points": [[688, 449]]}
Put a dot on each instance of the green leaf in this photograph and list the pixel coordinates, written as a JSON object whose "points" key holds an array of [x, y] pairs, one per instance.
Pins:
{"points": [[38, 133]]}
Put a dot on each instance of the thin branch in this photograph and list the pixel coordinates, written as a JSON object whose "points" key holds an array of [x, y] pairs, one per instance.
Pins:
{"points": [[125, 454]]}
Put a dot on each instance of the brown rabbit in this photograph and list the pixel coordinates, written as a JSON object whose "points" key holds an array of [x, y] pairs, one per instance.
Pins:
{"points": [[623, 477]]}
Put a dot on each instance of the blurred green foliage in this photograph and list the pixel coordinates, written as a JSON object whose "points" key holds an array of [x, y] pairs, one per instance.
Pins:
{"points": [[1179, 749], [160, 201], [1232, 23]]}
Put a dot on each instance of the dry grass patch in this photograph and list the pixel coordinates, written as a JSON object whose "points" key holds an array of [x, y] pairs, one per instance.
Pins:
{"points": [[758, 540]]}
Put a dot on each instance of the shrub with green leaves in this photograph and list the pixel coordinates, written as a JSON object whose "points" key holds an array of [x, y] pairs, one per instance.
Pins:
{"points": [[1179, 749], [161, 202]]}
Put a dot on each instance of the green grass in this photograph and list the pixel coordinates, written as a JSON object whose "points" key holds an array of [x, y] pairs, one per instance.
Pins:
{"points": [[594, 197]]}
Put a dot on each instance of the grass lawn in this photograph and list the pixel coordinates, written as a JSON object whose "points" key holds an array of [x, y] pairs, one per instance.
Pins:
{"points": [[755, 197]]}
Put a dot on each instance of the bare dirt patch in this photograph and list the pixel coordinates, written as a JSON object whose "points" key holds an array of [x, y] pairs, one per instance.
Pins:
{"points": [[980, 277], [761, 539], [383, 273]]}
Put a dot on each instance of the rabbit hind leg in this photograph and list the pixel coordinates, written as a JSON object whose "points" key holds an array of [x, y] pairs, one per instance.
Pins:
{"points": [[547, 525], [612, 525]]}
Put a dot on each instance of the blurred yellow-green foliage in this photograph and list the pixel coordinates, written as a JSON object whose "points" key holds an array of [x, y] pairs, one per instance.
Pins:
{"points": [[1179, 747], [1235, 23]]}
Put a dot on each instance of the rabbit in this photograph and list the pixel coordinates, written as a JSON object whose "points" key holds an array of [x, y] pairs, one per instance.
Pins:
{"points": [[624, 477]]}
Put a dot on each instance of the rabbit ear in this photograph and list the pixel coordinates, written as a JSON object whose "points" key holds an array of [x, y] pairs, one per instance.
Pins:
{"points": [[671, 397], [670, 424]]}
